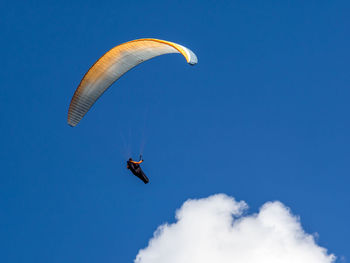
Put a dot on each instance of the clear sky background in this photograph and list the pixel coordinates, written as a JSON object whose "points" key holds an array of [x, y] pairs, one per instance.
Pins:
{"points": [[263, 116]]}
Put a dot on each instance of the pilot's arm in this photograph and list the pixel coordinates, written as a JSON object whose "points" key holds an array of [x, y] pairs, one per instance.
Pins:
{"points": [[137, 162]]}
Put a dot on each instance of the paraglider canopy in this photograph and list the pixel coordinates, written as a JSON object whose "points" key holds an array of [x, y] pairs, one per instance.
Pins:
{"points": [[112, 65]]}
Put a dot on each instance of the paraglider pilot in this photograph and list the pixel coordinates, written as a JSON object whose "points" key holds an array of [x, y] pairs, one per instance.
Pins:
{"points": [[135, 168]]}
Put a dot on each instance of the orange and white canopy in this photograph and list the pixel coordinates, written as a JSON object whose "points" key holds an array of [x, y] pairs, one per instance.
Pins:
{"points": [[112, 65]]}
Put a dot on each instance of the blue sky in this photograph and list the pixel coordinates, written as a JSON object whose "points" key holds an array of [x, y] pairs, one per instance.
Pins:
{"points": [[263, 116]]}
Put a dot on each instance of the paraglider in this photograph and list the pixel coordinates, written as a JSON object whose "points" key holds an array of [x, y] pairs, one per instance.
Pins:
{"points": [[109, 68], [135, 168], [112, 65]]}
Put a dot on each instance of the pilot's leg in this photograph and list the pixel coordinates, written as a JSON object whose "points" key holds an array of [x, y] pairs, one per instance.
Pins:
{"points": [[143, 177]]}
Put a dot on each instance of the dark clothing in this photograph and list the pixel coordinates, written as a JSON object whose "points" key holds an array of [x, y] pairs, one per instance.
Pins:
{"points": [[136, 170]]}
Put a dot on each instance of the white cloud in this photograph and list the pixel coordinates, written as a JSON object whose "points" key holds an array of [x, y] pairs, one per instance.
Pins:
{"points": [[215, 230]]}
